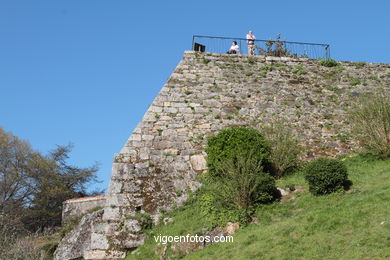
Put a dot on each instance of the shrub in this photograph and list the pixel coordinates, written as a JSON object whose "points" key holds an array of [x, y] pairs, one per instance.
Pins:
{"points": [[276, 48], [238, 160], [370, 118], [224, 145], [326, 175], [242, 184], [328, 63], [285, 148]]}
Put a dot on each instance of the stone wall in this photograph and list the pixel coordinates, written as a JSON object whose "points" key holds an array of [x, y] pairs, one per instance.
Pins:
{"points": [[207, 92], [76, 207]]}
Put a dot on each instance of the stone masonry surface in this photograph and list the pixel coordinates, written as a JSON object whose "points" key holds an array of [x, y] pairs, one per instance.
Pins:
{"points": [[74, 208], [208, 92]]}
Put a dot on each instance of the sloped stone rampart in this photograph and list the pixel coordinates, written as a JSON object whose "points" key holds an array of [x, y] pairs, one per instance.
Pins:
{"points": [[207, 92]]}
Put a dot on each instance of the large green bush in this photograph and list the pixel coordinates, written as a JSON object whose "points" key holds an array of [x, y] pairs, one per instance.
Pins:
{"points": [[326, 175], [237, 180], [226, 143], [370, 119]]}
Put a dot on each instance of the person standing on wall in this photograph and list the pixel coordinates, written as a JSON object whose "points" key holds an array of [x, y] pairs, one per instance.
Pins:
{"points": [[251, 43]]}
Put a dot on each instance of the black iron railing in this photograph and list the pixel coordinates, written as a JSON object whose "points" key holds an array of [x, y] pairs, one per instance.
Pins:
{"points": [[276, 48]]}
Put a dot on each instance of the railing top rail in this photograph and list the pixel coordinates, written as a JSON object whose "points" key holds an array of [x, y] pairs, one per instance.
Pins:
{"points": [[260, 40]]}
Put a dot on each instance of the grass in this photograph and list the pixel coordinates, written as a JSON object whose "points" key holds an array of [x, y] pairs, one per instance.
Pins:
{"points": [[351, 225], [355, 82], [359, 64], [328, 63]]}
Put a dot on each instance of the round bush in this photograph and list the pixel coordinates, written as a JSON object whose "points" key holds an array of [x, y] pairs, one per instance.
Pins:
{"points": [[229, 142], [326, 175]]}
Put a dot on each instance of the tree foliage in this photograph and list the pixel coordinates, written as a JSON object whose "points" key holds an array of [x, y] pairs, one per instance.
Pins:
{"points": [[33, 186], [223, 146]]}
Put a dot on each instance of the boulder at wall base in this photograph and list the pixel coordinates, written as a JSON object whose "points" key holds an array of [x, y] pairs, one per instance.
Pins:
{"points": [[85, 242], [77, 242]]}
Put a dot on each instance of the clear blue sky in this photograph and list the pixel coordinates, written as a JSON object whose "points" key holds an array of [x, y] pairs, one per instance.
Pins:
{"points": [[85, 71]]}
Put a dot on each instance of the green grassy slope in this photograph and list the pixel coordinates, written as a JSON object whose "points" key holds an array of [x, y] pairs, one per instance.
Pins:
{"points": [[351, 225]]}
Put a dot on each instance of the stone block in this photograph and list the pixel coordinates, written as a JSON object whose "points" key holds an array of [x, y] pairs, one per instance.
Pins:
{"points": [[212, 103], [144, 153], [132, 225], [135, 137], [204, 126], [155, 109], [111, 212], [99, 241], [198, 162], [104, 254], [115, 186]]}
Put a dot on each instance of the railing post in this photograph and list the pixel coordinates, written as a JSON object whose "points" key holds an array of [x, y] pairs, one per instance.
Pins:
{"points": [[193, 40], [327, 52]]}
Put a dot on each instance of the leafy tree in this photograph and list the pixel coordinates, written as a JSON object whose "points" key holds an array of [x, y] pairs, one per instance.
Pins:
{"points": [[33, 186], [16, 186]]}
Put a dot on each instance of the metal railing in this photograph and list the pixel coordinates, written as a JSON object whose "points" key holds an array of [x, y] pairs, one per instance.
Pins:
{"points": [[276, 48]]}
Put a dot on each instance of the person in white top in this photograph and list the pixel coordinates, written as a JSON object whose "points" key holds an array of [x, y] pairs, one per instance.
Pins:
{"points": [[251, 43], [234, 49]]}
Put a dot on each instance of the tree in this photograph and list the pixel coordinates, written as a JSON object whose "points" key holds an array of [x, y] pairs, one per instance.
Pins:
{"points": [[33, 186], [55, 181], [15, 183]]}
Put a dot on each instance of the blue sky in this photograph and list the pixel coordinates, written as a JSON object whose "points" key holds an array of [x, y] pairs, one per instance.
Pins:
{"points": [[85, 71]]}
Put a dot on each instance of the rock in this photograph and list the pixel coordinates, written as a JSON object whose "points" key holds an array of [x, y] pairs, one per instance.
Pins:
{"points": [[284, 192], [104, 254], [198, 163], [77, 242], [231, 228], [204, 126], [171, 151], [167, 220]]}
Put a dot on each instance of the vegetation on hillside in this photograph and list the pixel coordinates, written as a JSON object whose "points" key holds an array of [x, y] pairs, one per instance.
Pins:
{"points": [[347, 222], [371, 122], [350, 224]]}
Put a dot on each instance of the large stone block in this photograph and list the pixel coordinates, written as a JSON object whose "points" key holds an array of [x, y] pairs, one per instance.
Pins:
{"points": [[104, 254], [198, 163]]}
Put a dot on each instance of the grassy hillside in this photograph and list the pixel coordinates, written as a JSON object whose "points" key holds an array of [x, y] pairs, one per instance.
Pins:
{"points": [[350, 225]]}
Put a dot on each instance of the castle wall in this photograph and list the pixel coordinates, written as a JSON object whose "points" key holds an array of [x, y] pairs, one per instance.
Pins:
{"points": [[74, 208], [162, 158]]}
